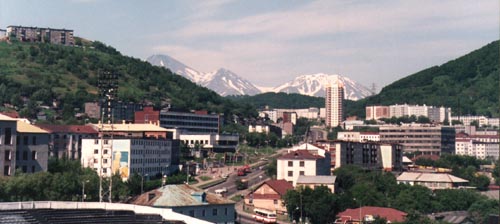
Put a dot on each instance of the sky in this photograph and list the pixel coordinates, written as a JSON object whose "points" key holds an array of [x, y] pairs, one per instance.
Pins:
{"points": [[272, 42]]}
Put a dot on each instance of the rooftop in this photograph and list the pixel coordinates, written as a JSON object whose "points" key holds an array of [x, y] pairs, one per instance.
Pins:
{"points": [[6, 118], [430, 177], [177, 196], [301, 155], [84, 129], [316, 179], [24, 127], [131, 127], [390, 214]]}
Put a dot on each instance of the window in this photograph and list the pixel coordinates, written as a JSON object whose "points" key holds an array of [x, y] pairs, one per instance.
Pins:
{"points": [[302, 163], [34, 155], [301, 173], [96, 160], [25, 140], [25, 169], [105, 151], [96, 151], [191, 213], [290, 173], [8, 136], [290, 163], [96, 141], [6, 170], [225, 211], [275, 201], [25, 155], [214, 212], [203, 213], [7, 155], [106, 142], [104, 170], [33, 140]]}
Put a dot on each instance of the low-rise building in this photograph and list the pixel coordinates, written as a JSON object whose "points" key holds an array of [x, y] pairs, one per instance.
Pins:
{"points": [[432, 181], [368, 155], [269, 196], [316, 181], [65, 141], [191, 201], [196, 122], [8, 136], [367, 214], [420, 138], [211, 142], [32, 150], [377, 112], [479, 146], [130, 148], [302, 162], [38, 34]]}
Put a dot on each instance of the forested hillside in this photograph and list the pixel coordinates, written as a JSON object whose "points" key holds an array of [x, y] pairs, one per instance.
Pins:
{"points": [[469, 85], [34, 73]]}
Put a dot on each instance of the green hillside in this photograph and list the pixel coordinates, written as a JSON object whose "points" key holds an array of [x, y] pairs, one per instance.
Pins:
{"points": [[469, 85], [281, 100], [44, 72]]}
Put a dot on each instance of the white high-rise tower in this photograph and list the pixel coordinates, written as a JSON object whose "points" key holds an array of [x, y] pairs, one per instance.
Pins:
{"points": [[333, 103]]}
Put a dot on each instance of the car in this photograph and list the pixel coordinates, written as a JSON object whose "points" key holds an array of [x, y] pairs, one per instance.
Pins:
{"points": [[225, 176]]}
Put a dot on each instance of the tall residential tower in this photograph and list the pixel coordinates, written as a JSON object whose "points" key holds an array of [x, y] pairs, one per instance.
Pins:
{"points": [[334, 99]]}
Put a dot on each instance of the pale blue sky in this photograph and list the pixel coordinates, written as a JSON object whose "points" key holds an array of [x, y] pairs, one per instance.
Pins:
{"points": [[270, 42]]}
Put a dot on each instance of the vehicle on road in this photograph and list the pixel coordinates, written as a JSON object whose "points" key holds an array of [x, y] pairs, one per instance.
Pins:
{"points": [[241, 184], [241, 172], [264, 216], [221, 191]]}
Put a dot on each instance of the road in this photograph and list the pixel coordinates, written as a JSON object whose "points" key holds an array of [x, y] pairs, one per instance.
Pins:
{"points": [[253, 178]]}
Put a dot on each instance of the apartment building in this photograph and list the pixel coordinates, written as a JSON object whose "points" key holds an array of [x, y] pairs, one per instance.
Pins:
{"points": [[481, 120], [334, 104], [212, 142], [197, 122], [435, 114], [377, 112], [420, 138], [38, 34], [8, 136], [358, 136], [131, 148], [302, 162], [65, 141], [147, 115], [479, 146], [368, 155], [32, 149]]}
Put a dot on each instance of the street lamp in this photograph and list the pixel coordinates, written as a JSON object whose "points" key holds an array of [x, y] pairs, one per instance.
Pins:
{"points": [[83, 189], [142, 182], [360, 218]]}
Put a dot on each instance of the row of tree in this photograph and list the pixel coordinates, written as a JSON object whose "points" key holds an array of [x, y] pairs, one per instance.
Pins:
{"points": [[357, 187], [66, 179]]}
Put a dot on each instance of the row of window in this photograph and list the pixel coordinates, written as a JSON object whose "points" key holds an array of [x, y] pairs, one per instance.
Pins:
{"points": [[301, 163], [290, 173], [150, 160], [8, 155], [202, 213], [150, 151]]}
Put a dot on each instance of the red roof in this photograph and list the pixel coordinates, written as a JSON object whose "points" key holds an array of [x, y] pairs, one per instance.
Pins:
{"points": [[300, 154], [12, 114], [83, 129], [390, 214], [280, 186]]}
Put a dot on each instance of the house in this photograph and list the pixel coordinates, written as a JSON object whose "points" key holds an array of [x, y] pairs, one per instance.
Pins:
{"points": [[32, 149], [268, 195], [38, 34], [369, 213], [303, 162], [432, 181], [315, 181], [191, 201]]}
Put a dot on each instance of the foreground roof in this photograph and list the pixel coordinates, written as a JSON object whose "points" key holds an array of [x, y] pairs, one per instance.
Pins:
{"points": [[279, 186], [390, 214], [6, 118], [430, 177], [130, 127], [177, 196]]}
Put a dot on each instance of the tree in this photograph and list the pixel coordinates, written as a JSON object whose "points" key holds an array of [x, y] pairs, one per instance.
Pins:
{"points": [[272, 169], [318, 205], [480, 210]]}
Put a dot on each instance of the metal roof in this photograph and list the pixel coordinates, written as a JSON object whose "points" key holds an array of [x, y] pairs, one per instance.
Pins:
{"points": [[316, 179]]}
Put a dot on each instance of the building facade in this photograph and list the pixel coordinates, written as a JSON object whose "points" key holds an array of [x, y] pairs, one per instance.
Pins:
{"points": [[302, 162], [435, 114], [479, 146], [432, 181], [424, 139], [147, 115], [44, 35], [65, 141], [377, 112], [368, 155], [198, 122], [334, 104], [269, 196], [8, 136], [213, 142], [32, 150]]}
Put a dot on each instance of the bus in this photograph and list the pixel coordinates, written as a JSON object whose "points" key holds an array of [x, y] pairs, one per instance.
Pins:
{"points": [[264, 216]]}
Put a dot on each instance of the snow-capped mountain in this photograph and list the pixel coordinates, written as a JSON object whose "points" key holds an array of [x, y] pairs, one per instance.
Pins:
{"points": [[222, 81], [225, 82], [314, 85]]}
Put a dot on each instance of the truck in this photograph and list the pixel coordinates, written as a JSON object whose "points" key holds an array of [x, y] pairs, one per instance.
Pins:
{"points": [[221, 191], [241, 184]]}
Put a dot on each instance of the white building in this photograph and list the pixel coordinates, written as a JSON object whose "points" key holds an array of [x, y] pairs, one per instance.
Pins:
{"points": [[436, 114], [432, 181], [369, 155], [479, 146], [333, 103], [213, 142], [358, 136], [302, 162], [271, 114], [481, 120]]}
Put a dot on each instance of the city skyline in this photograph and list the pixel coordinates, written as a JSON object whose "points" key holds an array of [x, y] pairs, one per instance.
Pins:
{"points": [[271, 42]]}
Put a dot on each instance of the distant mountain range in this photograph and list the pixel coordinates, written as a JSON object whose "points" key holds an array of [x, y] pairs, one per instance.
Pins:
{"points": [[226, 83]]}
